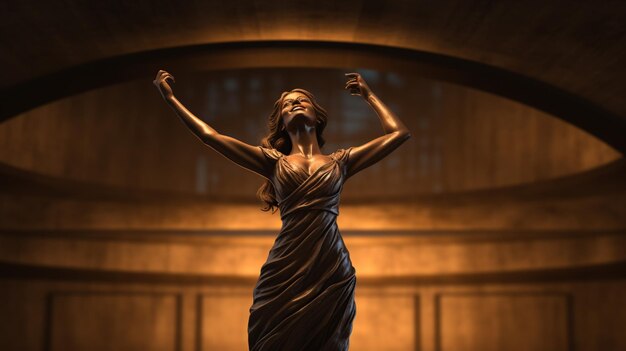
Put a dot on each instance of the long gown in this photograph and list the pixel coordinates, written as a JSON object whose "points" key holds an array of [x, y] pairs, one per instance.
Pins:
{"points": [[304, 298]]}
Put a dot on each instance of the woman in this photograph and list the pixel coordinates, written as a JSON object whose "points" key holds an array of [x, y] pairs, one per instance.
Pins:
{"points": [[304, 298]]}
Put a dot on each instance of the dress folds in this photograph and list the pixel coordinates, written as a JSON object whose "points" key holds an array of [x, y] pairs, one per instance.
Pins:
{"points": [[304, 298]]}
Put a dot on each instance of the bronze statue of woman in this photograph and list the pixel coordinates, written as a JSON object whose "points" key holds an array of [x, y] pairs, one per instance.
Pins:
{"points": [[304, 298]]}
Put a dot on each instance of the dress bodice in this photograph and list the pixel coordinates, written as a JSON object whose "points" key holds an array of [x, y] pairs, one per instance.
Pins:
{"points": [[296, 189]]}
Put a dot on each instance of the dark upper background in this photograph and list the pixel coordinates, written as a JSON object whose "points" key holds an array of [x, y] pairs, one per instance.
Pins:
{"points": [[576, 46]]}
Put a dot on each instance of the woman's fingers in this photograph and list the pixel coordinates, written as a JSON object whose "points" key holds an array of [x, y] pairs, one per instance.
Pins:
{"points": [[355, 84], [354, 90], [353, 77], [164, 75]]}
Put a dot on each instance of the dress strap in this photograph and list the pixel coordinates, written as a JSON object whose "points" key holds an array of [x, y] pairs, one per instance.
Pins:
{"points": [[341, 155], [271, 154]]}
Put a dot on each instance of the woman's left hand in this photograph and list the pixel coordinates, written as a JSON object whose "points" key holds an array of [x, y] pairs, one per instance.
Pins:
{"points": [[357, 86]]}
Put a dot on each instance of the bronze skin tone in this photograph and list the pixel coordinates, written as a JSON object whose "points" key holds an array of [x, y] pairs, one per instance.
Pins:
{"points": [[299, 119], [304, 298]]}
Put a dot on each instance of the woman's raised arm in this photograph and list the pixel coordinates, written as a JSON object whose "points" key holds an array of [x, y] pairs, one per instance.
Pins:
{"points": [[396, 132], [245, 155]]}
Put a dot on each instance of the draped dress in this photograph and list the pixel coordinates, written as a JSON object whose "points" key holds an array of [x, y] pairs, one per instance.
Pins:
{"points": [[304, 298]]}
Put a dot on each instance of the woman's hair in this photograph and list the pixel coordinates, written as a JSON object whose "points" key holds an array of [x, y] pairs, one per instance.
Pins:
{"points": [[278, 139]]}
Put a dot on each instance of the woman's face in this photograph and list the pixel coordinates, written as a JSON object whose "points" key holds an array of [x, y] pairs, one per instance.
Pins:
{"points": [[297, 108]]}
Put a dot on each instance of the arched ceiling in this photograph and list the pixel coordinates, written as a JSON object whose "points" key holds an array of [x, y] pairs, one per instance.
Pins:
{"points": [[574, 48]]}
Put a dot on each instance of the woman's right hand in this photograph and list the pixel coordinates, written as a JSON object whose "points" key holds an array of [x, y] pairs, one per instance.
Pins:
{"points": [[162, 82]]}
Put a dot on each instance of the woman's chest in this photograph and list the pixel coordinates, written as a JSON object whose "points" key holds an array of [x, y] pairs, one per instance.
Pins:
{"points": [[325, 178], [308, 165]]}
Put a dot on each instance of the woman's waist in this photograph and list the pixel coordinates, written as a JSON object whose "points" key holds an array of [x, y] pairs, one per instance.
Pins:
{"points": [[309, 210], [309, 216]]}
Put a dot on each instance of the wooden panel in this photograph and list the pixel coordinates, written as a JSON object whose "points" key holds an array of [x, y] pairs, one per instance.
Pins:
{"points": [[507, 321], [22, 316], [113, 322], [599, 309], [385, 322], [223, 322], [238, 255], [600, 312]]}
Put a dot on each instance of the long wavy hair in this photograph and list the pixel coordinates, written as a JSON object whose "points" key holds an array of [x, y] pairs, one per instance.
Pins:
{"points": [[278, 139]]}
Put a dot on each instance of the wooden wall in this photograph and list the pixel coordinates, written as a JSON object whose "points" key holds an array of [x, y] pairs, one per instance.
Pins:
{"points": [[589, 201], [463, 139], [68, 316], [539, 266], [119, 295], [536, 267]]}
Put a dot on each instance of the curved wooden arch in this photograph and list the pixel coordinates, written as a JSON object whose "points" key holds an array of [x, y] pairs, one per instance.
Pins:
{"points": [[257, 54]]}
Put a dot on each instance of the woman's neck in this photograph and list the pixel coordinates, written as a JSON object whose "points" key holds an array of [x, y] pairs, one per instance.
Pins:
{"points": [[304, 141]]}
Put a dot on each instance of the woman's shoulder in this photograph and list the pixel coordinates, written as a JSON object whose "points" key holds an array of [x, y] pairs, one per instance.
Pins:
{"points": [[341, 154], [271, 153]]}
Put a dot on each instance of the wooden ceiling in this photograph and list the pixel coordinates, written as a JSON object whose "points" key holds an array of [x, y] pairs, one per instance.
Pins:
{"points": [[577, 48]]}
